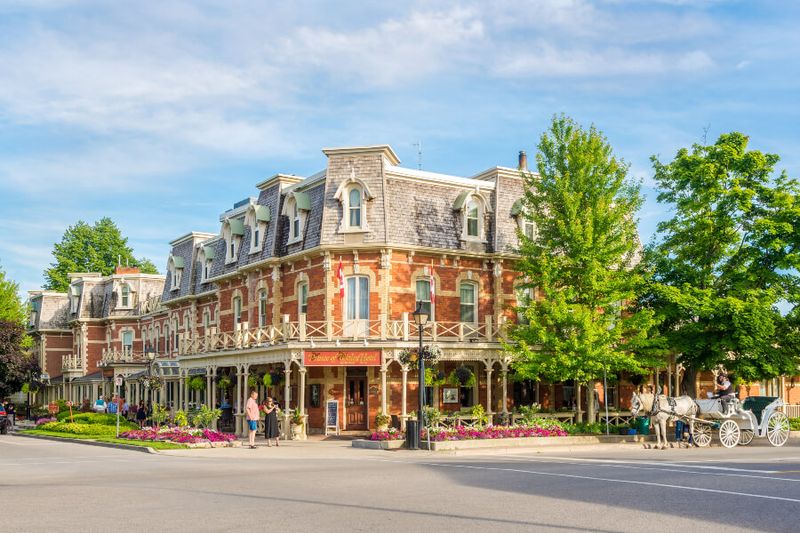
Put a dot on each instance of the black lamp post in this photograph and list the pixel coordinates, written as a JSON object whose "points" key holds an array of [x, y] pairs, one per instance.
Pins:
{"points": [[421, 318], [150, 354]]}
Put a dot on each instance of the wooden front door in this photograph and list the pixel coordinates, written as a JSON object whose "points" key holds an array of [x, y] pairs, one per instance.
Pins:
{"points": [[356, 403]]}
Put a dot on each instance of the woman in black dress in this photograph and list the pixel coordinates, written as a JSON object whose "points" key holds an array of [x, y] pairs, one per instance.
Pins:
{"points": [[271, 429], [141, 414]]}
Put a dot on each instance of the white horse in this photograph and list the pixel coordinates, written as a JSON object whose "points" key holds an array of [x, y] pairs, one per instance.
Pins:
{"points": [[665, 409]]}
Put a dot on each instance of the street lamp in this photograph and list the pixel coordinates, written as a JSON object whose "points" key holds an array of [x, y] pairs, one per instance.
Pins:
{"points": [[150, 354], [421, 318]]}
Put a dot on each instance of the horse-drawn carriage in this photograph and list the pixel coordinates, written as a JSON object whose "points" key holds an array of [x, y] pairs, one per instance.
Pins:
{"points": [[735, 422], [739, 422]]}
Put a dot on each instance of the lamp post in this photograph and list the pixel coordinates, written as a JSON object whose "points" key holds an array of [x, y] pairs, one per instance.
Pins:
{"points": [[150, 354], [421, 318]]}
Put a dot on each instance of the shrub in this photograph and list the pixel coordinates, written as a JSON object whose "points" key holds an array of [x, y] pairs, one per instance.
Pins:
{"points": [[794, 424], [382, 419], [181, 418], [205, 416], [101, 419], [94, 430]]}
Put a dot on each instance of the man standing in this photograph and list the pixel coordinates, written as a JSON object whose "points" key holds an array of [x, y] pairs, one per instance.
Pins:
{"points": [[251, 411]]}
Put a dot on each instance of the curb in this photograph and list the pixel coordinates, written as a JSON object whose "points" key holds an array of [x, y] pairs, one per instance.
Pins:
{"points": [[131, 447]]}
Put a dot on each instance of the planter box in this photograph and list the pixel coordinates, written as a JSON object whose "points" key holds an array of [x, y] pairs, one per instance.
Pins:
{"points": [[531, 442], [379, 444]]}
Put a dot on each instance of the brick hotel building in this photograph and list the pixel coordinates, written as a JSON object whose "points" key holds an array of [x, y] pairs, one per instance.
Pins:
{"points": [[262, 296]]}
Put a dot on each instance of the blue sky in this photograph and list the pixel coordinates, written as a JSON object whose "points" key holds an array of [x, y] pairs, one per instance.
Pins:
{"points": [[162, 114]]}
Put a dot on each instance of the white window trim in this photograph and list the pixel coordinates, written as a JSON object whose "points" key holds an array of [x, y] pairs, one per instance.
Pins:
{"points": [[475, 298], [348, 296], [121, 303], [262, 296], [483, 208], [302, 216], [237, 320], [343, 195], [432, 304], [256, 244], [299, 297], [230, 238]]}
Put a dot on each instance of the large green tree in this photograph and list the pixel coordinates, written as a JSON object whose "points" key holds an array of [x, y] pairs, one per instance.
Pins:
{"points": [[16, 365], [11, 307], [580, 263], [91, 248], [727, 260]]}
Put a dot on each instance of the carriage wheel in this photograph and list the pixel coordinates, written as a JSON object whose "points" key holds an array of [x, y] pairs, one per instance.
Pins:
{"points": [[702, 434], [778, 429], [747, 437], [729, 433]]}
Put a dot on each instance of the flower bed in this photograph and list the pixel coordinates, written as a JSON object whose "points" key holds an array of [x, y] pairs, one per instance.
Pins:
{"points": [[45, 421], [492, 432], [180, 435], [390, 434]]}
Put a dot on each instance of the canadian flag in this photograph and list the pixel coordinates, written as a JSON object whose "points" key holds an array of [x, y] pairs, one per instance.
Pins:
{"points": [[340, 277], [432, 282]]}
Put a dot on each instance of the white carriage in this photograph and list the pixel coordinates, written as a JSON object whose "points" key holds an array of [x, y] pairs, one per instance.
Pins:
{"points": [[739, 422]]}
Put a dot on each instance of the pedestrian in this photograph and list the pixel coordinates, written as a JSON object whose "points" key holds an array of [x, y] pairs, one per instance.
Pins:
{"points": [[11, 413], [100, 405], [125, 408], [252, 418], [271, 430], [141, 413]]}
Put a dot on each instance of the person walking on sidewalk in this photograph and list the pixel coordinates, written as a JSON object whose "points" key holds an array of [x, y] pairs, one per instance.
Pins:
{"points": [[271, 429], [252, 414]]}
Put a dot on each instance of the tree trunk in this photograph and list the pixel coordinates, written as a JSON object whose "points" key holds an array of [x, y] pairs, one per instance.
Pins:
{"points": [[591, 413], [578, 406]]}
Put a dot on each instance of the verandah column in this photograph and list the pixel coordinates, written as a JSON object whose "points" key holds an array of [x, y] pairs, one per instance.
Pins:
{"points": [[301, 399], [287, 373], [489, 371], [504, 373], [404, 395], [383, 389]]}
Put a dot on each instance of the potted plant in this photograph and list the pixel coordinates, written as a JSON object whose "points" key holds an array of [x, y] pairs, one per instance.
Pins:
{"points": [[462, 377], [196, 383], [297, 425], [267, 380], [382, 421], [224, 382], [252, 382]]}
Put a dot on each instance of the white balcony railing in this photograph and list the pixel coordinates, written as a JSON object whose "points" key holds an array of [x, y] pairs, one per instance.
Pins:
{"points": [[71, 362], [404, 329]]}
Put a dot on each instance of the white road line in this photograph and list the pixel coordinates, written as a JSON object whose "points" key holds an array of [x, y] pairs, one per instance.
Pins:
{"points": [[676, 464], [603, 479], [679, 471]]}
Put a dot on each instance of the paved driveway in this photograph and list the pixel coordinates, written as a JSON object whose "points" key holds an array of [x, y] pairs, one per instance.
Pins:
{"points": [[52, 486]]}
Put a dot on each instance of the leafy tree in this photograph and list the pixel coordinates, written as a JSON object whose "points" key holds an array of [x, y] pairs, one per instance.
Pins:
{"points": [[97, 248], [580, 263], [726, 259], [11, 307], [15, 365]]}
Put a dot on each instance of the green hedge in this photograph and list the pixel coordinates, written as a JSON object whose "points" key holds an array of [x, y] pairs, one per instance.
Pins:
{"points": [[80, 429], [96, 419], [794, 424]]}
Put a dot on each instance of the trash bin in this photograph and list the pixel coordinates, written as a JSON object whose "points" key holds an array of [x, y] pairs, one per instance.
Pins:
{"points": [[643, 425], [412, 434]]}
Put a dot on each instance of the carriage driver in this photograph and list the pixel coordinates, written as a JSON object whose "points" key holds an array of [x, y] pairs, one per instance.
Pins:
{"points": [[725, 392]]}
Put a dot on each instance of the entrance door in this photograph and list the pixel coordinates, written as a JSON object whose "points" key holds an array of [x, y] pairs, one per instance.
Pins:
{"points": [[356, 402]]}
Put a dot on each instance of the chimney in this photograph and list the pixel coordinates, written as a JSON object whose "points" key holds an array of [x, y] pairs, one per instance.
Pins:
{"points": [[126, 270], [523, 161]]}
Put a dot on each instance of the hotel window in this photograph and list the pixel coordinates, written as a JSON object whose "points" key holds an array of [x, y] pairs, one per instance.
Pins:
{"points": [[258, 216], [237, 312], [127, 342], [176, 334], [232, 232], [156, 339], [529, 228], [206, 320], [469, 311], [295, 222], [354, 207], [262, 308], [473, 211], [357, 297], [302, 298], [424, 296], [126, 295]]}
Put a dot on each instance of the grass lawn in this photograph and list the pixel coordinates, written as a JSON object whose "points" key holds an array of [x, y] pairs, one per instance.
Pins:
{"points": [[71, 436]]}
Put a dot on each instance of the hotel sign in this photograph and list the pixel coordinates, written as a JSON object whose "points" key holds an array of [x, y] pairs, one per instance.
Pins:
{"points": [[342, 358]]}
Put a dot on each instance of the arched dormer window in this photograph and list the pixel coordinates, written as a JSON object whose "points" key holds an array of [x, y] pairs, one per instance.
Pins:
{"points": [[175, 268], [524, 222], [205, 257], [353, 194], [473, 208], [232, 232], [296, 207], [125, 296], [257, 218]]}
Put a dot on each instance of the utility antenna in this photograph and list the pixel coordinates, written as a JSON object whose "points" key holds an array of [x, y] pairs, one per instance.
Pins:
{"points": [[418, 144]]}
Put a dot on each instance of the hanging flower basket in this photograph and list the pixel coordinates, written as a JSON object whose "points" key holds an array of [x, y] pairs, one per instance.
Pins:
{"points": [[462, 377], [266, 379], [430, 354], [252, 382], [224, 382], [277, 377], [196, 383], [152, 382]]}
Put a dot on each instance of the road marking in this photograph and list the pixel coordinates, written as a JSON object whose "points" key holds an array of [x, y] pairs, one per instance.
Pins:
{"points": [[621, 464], [595, 478], [676, 464]]}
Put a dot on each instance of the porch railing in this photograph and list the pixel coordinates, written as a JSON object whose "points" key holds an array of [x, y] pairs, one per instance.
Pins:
{"points": [[71, 362], [302, 330]]}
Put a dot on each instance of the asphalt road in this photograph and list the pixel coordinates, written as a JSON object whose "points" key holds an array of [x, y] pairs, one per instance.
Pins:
{"points": [[52, 486]]}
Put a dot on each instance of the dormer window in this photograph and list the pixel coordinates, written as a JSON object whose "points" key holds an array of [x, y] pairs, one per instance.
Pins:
{"points": [[526, 225], [257, 218], [125, 292], [232, 232], [296, 207], [74, 298], [175, 267], [473, 207], [353, 194], [205, 257], [35, 305]]}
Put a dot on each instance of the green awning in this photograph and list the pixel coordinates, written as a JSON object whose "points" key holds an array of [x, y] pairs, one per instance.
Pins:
{"points": [[517, 208], [177, 261], [262, 213], [208, 251], [458, 205], [303, 202], [237, 226]]}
